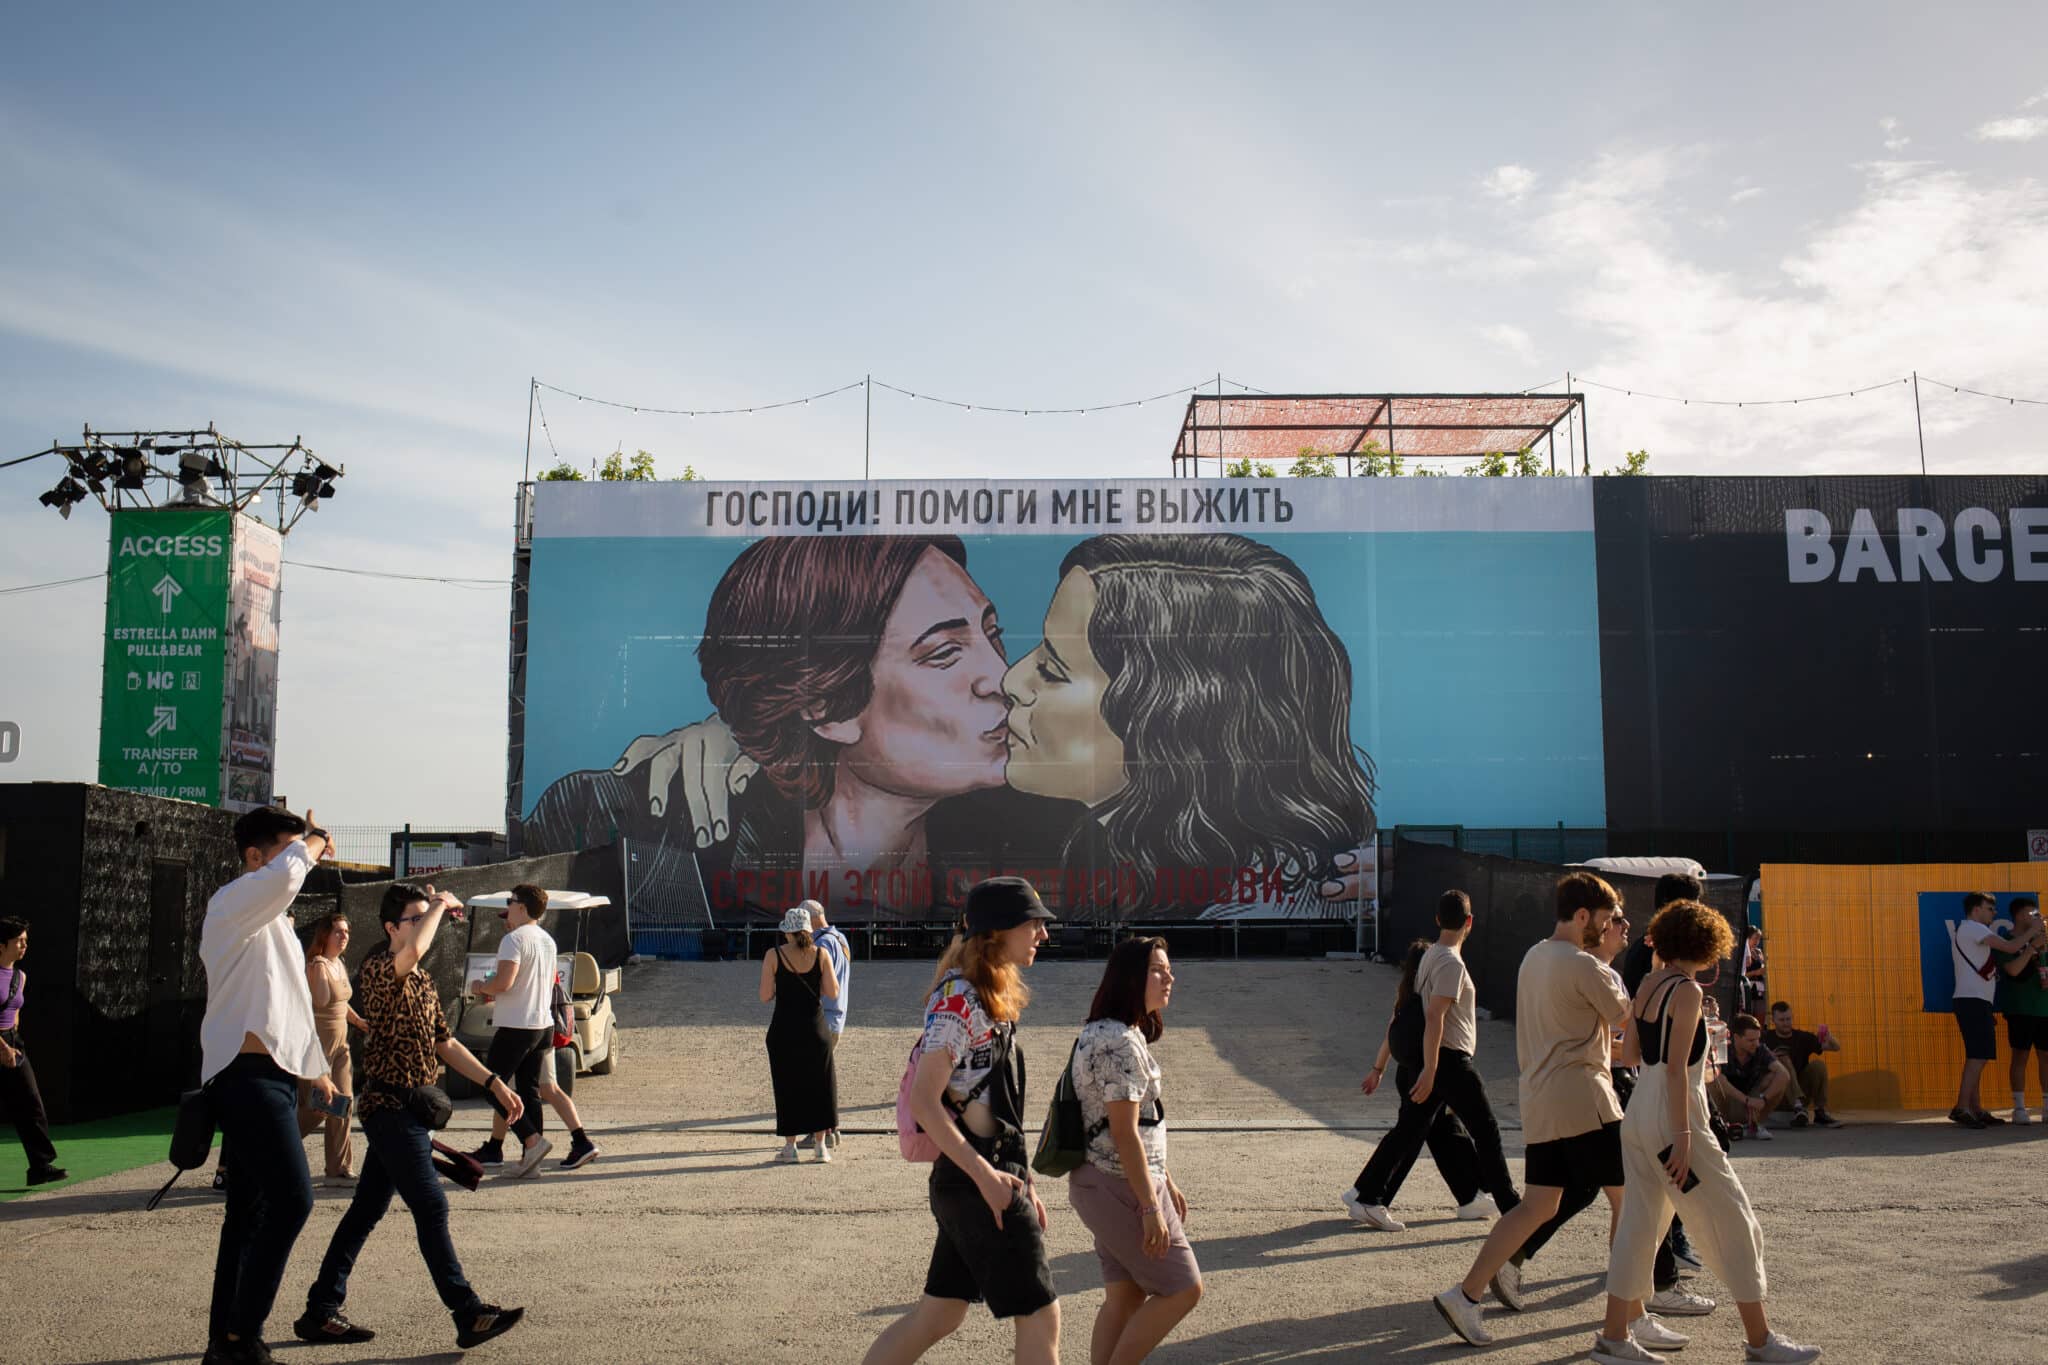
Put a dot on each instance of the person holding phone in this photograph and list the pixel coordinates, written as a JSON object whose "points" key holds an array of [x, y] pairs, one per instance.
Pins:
{"points": [[1671, 1160], [327, 980]]}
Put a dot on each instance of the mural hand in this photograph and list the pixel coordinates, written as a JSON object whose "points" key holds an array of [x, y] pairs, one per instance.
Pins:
{"points": [[1356, 877], [714, 771]]}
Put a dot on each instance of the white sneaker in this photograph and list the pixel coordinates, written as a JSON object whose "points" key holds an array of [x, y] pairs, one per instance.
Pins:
{"points": [[1759, 1133], [1627, 1351], [1463, 1315], [1778, 1350], [1679, 1303], [1373, 1215], [1479, 1209], [531, 1157], [786, 1154], [824, 1153], [2019, 1115], [1651, 1333], [1507, 1286]]}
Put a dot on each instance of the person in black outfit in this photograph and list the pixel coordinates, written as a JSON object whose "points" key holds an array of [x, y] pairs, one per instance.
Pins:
{"points": [[18, 1091], [1441, 1034], [794, 976]]}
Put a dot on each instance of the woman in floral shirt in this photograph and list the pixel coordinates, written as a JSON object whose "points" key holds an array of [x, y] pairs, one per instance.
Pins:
{"points": [[1123, 1192]]}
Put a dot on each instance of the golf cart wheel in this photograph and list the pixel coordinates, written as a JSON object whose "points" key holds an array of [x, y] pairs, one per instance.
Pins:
{"points": [[611, 1052], [565, 1070]]}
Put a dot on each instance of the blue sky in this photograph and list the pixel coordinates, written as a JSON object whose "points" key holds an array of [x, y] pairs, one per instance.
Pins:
{"points": [[370, 231]]}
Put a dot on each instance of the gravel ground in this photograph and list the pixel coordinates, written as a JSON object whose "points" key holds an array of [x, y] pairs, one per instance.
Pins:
{"points": [[1887, 1240]]}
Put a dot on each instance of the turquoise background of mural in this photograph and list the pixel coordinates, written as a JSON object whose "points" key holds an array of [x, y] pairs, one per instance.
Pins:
{"points": [[1474, 655]]}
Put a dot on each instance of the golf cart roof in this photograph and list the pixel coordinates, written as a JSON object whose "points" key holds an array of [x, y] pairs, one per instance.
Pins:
{"points": [[557, 900], [1654, 867]]}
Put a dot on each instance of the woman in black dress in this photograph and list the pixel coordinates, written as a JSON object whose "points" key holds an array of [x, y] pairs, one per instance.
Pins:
{"points": [[799, 1044]]}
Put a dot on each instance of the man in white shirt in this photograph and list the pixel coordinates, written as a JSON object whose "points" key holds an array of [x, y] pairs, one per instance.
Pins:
{"points": [[839, 955], [257, 1042], [523, 1047], [1971, 945]]}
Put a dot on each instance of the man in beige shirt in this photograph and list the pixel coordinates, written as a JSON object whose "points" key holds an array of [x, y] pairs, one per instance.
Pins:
{"points": [[1567, 1006]]}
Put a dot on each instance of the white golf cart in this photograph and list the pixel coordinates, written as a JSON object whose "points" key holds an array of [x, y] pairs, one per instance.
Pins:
{"points": [[594, 1044]]}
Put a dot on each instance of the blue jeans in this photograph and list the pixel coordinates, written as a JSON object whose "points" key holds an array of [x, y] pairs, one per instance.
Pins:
{"points": [[400, 1159], [270, 1192]]}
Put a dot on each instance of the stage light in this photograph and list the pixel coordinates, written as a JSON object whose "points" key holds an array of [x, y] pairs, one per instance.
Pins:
{"points": [[194, 466], [133, 467], [67, 492]]}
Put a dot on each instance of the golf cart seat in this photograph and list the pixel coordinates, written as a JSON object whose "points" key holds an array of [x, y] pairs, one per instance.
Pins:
{"points": [[586, 984]]}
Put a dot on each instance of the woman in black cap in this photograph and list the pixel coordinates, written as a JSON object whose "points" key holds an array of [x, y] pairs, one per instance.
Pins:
{"points": [[968, 1095]]}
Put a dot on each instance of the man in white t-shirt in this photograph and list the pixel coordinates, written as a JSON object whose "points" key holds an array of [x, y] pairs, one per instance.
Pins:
{"points": [[523, 1047], [1971, 945]]}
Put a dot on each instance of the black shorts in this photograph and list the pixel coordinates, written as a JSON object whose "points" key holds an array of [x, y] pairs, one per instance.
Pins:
{"points": [[1980, 1038], [2023, 1031], [975, 1261], [518, 1054], [1580, 1160]]}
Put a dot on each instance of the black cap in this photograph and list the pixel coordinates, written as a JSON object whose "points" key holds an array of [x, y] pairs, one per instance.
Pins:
{"points": [[1002, 903]]}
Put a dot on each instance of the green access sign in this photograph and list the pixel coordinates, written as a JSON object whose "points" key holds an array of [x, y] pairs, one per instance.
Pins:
{"points": [[166, 656]]}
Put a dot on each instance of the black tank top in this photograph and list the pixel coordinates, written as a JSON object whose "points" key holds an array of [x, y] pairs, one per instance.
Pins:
{"points": [[1656, 1044]]}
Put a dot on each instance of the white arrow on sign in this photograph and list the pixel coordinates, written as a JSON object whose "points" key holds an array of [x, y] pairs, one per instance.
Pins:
{"points": [[166, 590], [166, 719]]}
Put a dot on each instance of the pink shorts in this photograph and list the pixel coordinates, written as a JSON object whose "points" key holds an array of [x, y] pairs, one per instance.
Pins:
{"points": [[1106, 1204]]}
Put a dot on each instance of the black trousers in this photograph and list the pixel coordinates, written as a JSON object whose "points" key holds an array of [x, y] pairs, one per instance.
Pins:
{"points": [[24, 1105], [515, 1057], [1458, 1091]]}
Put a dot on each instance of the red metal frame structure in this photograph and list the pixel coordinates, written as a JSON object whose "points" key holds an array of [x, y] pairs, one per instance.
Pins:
{"points": [[1279, 427]]}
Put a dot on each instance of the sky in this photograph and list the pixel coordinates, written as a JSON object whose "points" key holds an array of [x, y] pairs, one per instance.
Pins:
{"points": [[370, 228]]}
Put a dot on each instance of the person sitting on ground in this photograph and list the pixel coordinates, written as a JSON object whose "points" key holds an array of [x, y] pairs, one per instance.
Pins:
{"points": [[1800, 1052], [1751, 1081], [2022, 997]]}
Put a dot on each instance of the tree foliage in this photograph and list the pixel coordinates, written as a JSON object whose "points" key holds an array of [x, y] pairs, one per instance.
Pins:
{"points": [[617, 467], [563, 472], [1632, 462], [1247, 469], [1309, 464], [1373, 462]]}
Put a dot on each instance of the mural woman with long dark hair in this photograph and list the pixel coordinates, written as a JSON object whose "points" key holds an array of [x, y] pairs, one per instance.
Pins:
{"points": [[1189, 692]]}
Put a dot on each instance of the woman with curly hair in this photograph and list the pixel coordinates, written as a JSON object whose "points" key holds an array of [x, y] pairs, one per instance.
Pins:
{"points": [[1190, 693], [1671, 1159]]}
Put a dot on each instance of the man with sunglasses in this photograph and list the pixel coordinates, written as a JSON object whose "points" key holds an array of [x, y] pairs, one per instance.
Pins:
{"points": [[523, 1046], [407, 1044]]}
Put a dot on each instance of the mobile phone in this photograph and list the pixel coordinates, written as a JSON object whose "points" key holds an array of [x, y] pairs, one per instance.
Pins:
{"points": [[1692, 1177], [339, 1107]]}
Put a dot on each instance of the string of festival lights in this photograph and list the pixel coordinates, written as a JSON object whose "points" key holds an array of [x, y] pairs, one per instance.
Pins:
{"points": [[1202, 387]]}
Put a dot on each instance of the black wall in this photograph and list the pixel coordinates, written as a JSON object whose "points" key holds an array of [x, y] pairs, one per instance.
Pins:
{"points": [[114, 886], [1513, 908], [1738, 700]]}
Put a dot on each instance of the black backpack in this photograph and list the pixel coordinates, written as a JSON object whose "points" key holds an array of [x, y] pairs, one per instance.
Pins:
{"points": [[1404, 1035]]}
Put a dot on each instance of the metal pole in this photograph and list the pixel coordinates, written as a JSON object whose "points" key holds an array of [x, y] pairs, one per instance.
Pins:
{"points": [[1571, 454], [1219, 434], [867, 432], [526, 473], [1918, 430]]}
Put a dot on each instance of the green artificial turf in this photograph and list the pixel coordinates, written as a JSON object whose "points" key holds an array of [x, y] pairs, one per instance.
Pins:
{"points": [[87, 1150]]}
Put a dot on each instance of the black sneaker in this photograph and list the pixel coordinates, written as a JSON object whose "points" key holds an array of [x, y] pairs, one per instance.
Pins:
{"points": [[1823, 1119], [486, 1320], [43, 1175], [1799, 1118], [1986, 1119], [490, 1154], [582, 1151], [247, 1351], [324, 1328], [1964, 1118]]}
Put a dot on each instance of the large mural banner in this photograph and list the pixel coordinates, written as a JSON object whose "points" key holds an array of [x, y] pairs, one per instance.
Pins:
{"points": [[1156, 699]]}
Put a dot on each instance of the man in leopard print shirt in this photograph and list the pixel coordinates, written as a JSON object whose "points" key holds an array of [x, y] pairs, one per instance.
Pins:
{"points": [[408, 1042]]}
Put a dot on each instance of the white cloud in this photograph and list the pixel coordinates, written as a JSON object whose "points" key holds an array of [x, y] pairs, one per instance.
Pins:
{"points": [[2023, 128], [1511, 339], [1894, 140], [1745, 194], [1510, 182]]}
